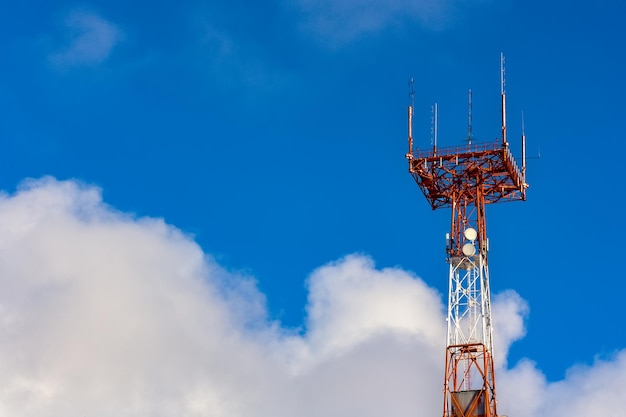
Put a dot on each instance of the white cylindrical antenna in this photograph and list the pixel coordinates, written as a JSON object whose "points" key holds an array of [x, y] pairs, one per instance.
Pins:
{"points": [[410, 126], [503, 94], [411, 105], [432, 125], [410, 137], [469, 117], [502, 73], [409, 154]]}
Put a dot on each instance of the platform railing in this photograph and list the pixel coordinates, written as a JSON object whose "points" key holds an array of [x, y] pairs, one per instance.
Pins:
{"points": [[453, 150]]}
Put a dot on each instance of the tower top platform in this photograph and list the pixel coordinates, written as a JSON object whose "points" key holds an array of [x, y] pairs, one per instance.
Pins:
{"points": [[448, 175]]}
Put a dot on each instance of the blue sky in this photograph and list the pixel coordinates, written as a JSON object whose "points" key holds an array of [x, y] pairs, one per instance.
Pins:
{"points": [[272, 134]]}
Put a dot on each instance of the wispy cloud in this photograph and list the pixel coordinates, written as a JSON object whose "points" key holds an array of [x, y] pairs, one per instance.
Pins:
{"points": [[87, 39], [337, 22], [102, 313], [236, 62]]}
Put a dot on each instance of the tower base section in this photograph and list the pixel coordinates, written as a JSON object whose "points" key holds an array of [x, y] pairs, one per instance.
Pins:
{"points": [[468, 403], [469, 387]]}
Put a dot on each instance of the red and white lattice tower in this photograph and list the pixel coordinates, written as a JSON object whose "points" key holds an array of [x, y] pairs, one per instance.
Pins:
{"points": [[466, 178]]}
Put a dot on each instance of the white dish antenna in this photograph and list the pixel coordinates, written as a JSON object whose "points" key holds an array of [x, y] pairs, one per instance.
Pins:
{"points": [[470, 234], [469, 249]]}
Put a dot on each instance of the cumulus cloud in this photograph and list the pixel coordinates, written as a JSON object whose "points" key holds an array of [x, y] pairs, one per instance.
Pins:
{"points": [[88, 40], [103, 313], [508, 313]]}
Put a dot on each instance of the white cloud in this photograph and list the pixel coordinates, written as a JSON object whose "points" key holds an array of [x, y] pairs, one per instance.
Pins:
{"points": [[349, 302], [595, 390], [508, 312], [88, 40], [521, 391], [590, 390], [105, 314]]}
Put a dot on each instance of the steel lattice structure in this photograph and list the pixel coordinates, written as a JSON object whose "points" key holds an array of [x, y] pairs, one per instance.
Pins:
{"points": [[466, 179]]}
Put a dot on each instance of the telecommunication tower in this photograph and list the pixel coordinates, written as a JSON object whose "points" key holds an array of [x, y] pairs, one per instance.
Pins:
{"points": [[466, 178]]}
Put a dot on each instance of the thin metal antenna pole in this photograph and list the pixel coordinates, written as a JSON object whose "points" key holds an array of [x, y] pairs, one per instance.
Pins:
{"points": [[410, 111], [469, 117], [436, 125], [503, 94], [523, 151], [432, 125]]}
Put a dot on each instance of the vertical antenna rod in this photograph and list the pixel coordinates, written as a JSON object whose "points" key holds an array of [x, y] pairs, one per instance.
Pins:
{"points": [[411, 92], [523, 151], [409, 155], [503, 94], [469, 117], [435, 126]]}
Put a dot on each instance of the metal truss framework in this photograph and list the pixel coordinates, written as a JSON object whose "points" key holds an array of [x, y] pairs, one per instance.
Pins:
{"points": [[466, 179], [469, 383]]}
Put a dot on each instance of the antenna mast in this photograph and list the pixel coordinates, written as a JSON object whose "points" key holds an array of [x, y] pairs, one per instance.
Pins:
{"points": [[435, 126], [503, 94], [524, 156], [409, 155]]}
